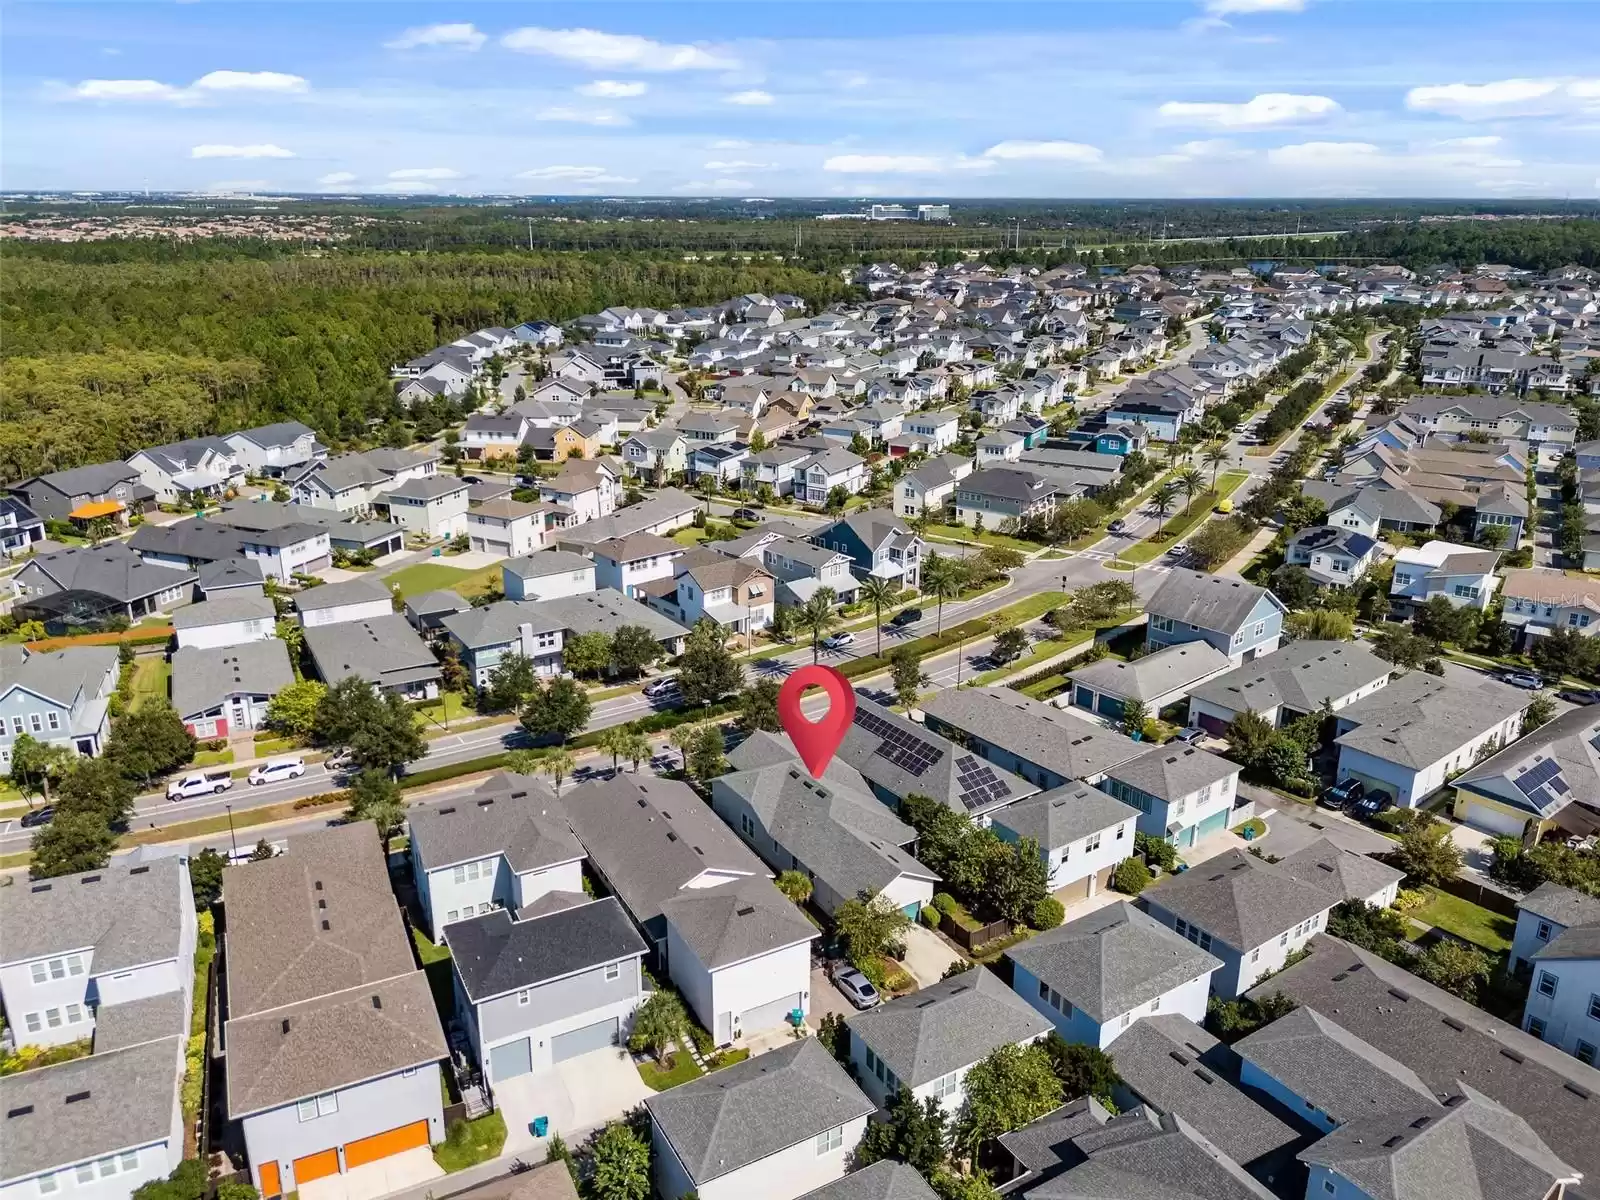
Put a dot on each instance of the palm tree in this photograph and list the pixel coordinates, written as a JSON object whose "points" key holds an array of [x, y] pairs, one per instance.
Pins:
{"points": [[558, 766], [635, 748], [708, 489], [942, 578], [817, 616], [878, 592], [1173, 450], [1162, 500], [1192, 482], [1215, 457], [614, 741], [796, 885]]}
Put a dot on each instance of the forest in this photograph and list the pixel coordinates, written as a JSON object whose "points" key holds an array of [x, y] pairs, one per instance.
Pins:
{"points": [[101, 358]]}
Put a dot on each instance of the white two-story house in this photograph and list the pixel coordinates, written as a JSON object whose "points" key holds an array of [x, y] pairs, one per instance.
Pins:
{"points": [[1463, 575], [1082, 834]]}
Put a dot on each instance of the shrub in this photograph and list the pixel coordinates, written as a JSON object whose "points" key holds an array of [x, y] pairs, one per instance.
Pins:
{"points": [[945, 903], [1409, 900], [1131, 877], [930, 917], [701, 1039], [1048, 913], [321, 799]]}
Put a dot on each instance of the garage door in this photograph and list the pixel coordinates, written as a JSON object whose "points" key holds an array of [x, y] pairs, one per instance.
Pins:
{"points": [[511, 1059], [315, 1166], [1216, 821], [768, 1016], [382, 1145], [580, 1041], [1215, 726]]}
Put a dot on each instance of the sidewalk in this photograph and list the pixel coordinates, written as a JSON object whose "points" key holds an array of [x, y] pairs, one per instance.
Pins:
{"points": [[1262, 539]]}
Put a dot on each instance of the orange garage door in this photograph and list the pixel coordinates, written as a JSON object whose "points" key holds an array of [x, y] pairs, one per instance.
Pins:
{"points": [[382, 1145], [315, 1166]]}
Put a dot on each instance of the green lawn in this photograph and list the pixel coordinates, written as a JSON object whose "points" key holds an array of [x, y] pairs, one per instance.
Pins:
{"points": [[449, 709], [150, 675], [482, 1141], [960, 533], [1465, 919], [426, 950], [433, 576], [212, 758], [657, 1079], [1186, 520]]}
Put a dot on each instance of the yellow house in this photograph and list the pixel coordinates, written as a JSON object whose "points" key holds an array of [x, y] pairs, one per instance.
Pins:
{"points": [[561, 442]]}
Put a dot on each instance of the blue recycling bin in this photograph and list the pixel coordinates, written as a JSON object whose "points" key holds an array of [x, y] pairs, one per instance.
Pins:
{"points": [[540, 1126]]}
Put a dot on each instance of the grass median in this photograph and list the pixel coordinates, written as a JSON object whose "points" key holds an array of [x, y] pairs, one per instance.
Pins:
{"points": [[1030, 609], [1188, 519]]}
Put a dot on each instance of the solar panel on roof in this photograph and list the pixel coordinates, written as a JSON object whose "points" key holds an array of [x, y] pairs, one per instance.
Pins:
{"points": [[977, 782], [899, 746], [1558, 785], [1536, 776]]}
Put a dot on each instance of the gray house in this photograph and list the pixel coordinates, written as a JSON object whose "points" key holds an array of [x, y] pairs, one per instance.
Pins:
{"points": [[61, 494], [61, 696], [86, 585], [1239, 619], [539, 990], [385, 651]]}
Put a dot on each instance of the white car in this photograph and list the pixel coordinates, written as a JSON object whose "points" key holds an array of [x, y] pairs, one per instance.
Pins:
{"points": [[199, 783], [276, 770], [840, 640]]}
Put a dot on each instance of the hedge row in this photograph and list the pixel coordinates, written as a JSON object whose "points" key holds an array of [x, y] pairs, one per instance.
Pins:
{"points": [[146, 637]]}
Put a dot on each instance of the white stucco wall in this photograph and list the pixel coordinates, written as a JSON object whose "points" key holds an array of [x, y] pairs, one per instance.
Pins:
{"points": [[227, 633], [781, 1176], [579, 582], [340, 613], [740, 987], [1566, 1014], [1187, 999]]}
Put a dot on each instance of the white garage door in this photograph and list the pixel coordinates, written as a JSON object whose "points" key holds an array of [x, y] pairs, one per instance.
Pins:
{"points": [[511, 1059], [769, 1015], [581, 1041]]}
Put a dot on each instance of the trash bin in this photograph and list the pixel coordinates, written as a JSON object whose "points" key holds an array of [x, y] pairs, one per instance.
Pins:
{"points": [[540, 1126]]}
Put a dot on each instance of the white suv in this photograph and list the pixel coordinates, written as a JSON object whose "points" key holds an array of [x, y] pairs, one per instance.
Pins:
{"points": [[276, 770]]}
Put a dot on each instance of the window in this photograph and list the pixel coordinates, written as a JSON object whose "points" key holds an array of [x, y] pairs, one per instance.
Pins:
{"points": [[36, 722], [1543, 931], [453, 915], [1155, 1005], [830, 1140], [613, 971], [1329, 1186], [74, 1014], [1255, 955], [75, 964], [33, 1022], [85, 1172], [1121, 829], [1283, 939], [107, 1166], [746, 825], [49, 1185], [484, 907], [1536, 1027], [1044, 990], [1594, 1008], [327, 1103], [58, 968], [1126, 1017], [16, 725], [873, 1065], [1261, 626], [40, 972], [1091, 844], [461, 874], [1163, 624], [52, 1018], [1547, 983], [944, 1086], [1585, 1053]]}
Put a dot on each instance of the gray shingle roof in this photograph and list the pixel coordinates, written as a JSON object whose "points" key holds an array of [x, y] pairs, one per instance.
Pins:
{"points": [[1170, 669], [497, 953], [1173, 771], [1419, 719], [127, 1098], [1213, 602], [1112, 960], [382, 650], [129, 916], [737, 920], [1170, 1062], [603, 611], [1046, 1144], [1064, 815], [1325, 1064], [1240, 899], [1567, 740], [1144, 1155], [360, 590], [1037, 732], [229, 573], [59, 675], [1449, 1042], [134, 1022], [429, 487], [511, 815], [741, 1114], [666, 505], [230, 606], [1562, 905], [110, 569], [947, 1026], [205, 676], [1325, 864], [883, 1180], [648, 851], [1300, 675]]}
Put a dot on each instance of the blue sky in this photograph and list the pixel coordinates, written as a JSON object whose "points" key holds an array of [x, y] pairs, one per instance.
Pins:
{"points": [[1198, 98]]}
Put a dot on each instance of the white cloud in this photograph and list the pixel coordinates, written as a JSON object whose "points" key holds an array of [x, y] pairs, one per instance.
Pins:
{"points": [[581, 116], [337, 179], [250, 81], [1488, 139], [457, 36], [896, 164], [1211, 149], [126, 89], [614, 89], [1324, 155], [592, 48], [258, 150], [1025, 151], [728, 144], [237, 185], [1505, 97], [409, 174], [715, 185], [570, 174], [751, 98], [1223, 8], [737, 165], [1260, 112], [1363, 160]]}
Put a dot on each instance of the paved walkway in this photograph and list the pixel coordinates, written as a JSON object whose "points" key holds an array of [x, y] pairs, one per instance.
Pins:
{"points": [[927, 957]]}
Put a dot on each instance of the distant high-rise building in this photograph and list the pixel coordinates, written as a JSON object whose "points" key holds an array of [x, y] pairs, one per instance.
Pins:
{"points": [[933, 212], [889, 212]]}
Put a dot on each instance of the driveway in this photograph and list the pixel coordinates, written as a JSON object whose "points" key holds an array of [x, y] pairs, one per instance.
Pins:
{"points": [[579, 1094], [825, 999], [927, 956], [1292, 827], [407, 1169]]}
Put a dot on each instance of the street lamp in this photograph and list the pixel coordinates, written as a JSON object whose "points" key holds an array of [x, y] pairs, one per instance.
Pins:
{"points": [[234, 841]]}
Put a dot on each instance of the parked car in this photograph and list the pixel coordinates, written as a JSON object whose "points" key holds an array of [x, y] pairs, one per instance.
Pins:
{"points": [[199, 783], [857, 988], [840, 640], [1579, 696], [1523, 679], [667, 685], [906, 616], [1341, 795], [1373, 803], [1189, 735], [746, 514], [33, 818], [1117, 526], [276, 770]]}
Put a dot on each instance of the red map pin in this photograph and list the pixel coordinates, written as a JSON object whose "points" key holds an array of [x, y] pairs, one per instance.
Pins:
{"points": [[817, 740]]}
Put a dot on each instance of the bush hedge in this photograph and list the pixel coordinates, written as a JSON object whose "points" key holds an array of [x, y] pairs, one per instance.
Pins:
{"points": [[930, 916], [1131, 877], [1048, 913], [945, 903]]}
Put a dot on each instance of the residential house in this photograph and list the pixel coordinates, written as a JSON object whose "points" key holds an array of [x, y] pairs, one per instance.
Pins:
{"points": [[1290, 683], [1155, 680], [739, 594], [1539, 599], [659, 455], [931, 487], [274, 450], [1239, 619], [622, 564], [431, 508], [1551, 428], [992, 496], [885, 1179], [1354, 876], [547, 987], [1000, 447], [773, 467], [776, 1126], [330, 1039], [1563, 1004], [833, 829], [668, 510], [941, 429], [282, 550], [1183, 794], [1546, 780], [226, 621], [1332, 556], [538, 629], [357, 599], [299, 552], [487, 436], [20, 527], [84, 585], [219, 691], [505, 846], [385, 651], [1122, 440], [350, 484], [802, 570], [100, 490], [549, 575], [1163, 414], [1250, 913], [878, 543], [709, 427], [1410, 736], [61, 697], [721, 461], [925, 1043], [200, 467], [230, 577], [1373, 507], [1543, 915], [1463, 575], [588, 490], [426, 612], [507, 528], [1082, 834], [563, 442], [816, 477]]}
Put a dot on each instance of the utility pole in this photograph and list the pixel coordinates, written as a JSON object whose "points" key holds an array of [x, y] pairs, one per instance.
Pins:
{"points": [[530, 235]]}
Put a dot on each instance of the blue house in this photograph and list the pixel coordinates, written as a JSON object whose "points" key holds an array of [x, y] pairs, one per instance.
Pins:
{"points": [[1239, 619], [1163, 414], [878, 543], [1033, 431], [1122, 440]]}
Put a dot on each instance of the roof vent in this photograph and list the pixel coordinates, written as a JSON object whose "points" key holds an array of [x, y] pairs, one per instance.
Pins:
{"points": [[139, 871], [1507, 1052], [447, 811], [21, 1110], [1579, 1091], [1421, 1122], [1203, 1077], [90, 879], [286, 1027], [671, 837], [40, 887], [1398, 994], [322, 903], [77, 1097], [1454, 1024], [318, 885], [377, 1003], [1178, 1058], [325, 925], [745, 910], [1389, 1143]]}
